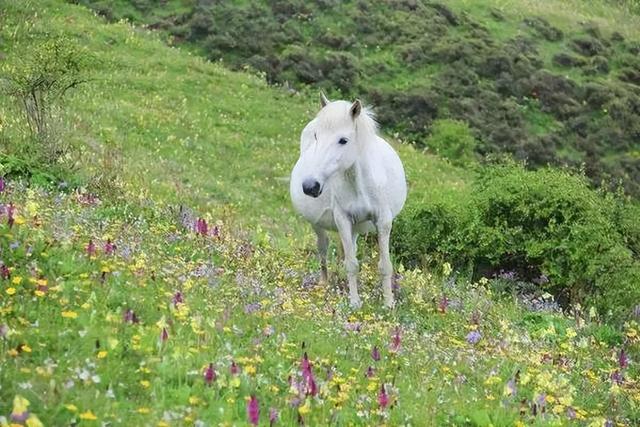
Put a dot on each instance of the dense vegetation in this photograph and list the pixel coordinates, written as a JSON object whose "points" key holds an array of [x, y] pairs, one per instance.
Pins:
{"points": [[152, 271], [544, 227], [546, 89]]}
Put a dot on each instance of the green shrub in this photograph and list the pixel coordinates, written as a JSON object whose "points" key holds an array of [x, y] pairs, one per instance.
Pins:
{"points": [[452, 139], [545, 223], [38, 84]]}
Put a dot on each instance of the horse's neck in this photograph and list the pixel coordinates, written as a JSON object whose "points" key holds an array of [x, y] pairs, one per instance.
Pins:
{"points": [[357, 176]]}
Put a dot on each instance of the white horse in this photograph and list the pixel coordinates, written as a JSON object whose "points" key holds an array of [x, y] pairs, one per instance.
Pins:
{"points": [[348, 179]]}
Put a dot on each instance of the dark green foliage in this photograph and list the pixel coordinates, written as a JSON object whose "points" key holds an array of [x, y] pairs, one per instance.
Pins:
{"points": [[545, 222], [452, 139], [421, 61], [544, 29], [568, 60]]}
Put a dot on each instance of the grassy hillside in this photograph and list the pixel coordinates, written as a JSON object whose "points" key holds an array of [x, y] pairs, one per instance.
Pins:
{"points": [[549, 82], [115, 309], [190, 131]]}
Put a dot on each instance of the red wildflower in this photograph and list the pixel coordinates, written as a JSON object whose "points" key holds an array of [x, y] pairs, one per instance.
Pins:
{"points": [[253, 411], [90, 249], [623, 361], [109, 247], [209, 374], [383, 398], [164, 335], [4, 272]]}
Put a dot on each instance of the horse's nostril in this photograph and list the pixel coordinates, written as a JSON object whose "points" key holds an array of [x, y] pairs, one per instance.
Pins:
{"points": [[311, 187]]}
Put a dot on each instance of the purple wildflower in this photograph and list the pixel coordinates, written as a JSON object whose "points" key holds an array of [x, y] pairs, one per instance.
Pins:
{"points": [[312, 388], [375, 353], [90, 249], [305, 365], [177, 299], [473, 337], [370, 372], [251, 308], [234, 368], [253, 410], [201, 226], [616, 377], [129, 316], [273, 416], [164, 335], [109, 247], [20, 418], [4, 272], [2, 184], [623, 360], [383, 398], [209, 374]]}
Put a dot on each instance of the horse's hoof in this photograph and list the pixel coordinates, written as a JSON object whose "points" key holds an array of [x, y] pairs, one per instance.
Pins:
{"points": [[355, 303]]}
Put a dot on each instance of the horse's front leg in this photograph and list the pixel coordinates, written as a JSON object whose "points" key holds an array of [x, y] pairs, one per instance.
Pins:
{"points": [[345, 229], [323, 244], [384, 265]]}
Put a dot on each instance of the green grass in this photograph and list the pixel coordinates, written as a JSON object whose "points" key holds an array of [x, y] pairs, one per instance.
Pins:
{"points": [[222, 143]]}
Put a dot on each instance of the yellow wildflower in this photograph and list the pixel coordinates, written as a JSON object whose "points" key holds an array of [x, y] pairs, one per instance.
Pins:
{"points": [[20, 405], [33, 421], [304, 409], [69, 314], [88, 415]]}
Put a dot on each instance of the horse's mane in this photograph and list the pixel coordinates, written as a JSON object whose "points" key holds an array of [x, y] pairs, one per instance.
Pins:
{"points": [[366, 125]]}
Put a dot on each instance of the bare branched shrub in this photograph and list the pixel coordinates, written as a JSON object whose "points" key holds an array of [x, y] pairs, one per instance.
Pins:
{"points": [[39, 81]]}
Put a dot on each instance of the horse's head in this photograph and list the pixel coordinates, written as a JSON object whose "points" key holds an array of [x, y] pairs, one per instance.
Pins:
{"points": [[330, 143]]}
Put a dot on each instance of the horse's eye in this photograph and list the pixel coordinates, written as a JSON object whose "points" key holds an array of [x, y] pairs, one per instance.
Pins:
{"points": [[343, 141]]}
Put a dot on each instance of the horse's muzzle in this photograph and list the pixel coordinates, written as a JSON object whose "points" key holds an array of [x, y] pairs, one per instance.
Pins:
{"points": [[311, 187]]}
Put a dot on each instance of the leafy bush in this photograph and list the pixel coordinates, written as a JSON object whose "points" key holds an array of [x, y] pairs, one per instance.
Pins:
{"points": [[38, 83], [452, 139], [537, 224]]}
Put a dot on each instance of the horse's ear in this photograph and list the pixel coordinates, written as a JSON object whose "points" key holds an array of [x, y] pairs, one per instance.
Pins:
{"points": [[356, 109], [323, 99]]}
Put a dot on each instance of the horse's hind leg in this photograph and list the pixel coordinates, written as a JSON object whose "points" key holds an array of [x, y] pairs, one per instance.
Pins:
{"points": [[384, 265], [323, 245]]}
